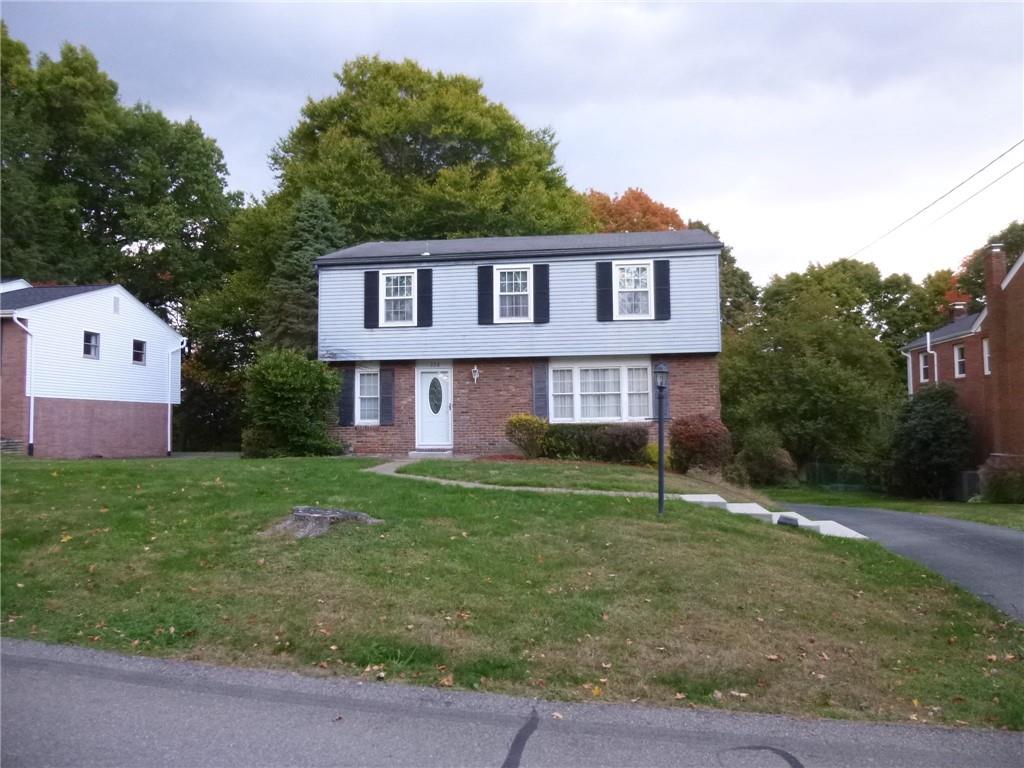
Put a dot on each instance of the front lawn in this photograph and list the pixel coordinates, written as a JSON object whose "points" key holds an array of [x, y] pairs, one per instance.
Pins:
{"points": [[1007, 515], [587, 475], [566, 597]]}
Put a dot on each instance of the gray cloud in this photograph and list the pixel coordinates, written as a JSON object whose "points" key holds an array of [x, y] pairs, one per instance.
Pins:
{"points": [[801, 131]]}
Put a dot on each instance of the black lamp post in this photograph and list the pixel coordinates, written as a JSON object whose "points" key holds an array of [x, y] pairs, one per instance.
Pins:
{"points": [[661, 383]]}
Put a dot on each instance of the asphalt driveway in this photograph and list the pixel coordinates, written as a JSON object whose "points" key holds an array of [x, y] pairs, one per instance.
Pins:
{"points": [[984, 559]]}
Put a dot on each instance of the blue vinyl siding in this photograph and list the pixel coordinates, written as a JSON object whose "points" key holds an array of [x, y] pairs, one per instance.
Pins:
{"points": [[572, 330]]}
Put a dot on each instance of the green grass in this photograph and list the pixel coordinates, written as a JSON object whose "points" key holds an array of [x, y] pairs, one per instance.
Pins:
{"points": [[583, 475], [1007, 515], [566, 597]]}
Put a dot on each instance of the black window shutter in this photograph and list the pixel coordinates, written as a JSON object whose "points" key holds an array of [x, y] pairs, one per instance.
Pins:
{"points": [[540, 389], [387, 396], [371, 297], [424, 298], [541, 293], [347, 398], [605, 295], [485, 294], [662, 291]]}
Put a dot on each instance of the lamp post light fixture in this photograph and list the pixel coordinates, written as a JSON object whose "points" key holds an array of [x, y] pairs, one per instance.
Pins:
{"points": [[661, 384]]}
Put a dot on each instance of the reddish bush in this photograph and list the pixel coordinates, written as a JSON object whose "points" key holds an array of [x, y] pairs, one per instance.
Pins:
{"points": [[699, 441]]}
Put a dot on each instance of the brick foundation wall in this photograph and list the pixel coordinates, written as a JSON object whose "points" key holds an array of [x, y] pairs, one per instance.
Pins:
{"points": [[71, 429], [13, 402], [505, 387]]}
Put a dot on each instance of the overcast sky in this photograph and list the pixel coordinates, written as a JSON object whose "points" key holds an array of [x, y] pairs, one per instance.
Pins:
{"points": [[801, 132]]}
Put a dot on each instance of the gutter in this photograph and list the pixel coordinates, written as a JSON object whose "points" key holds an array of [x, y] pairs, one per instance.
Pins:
{"points": [[29, 389], [170, 352]]}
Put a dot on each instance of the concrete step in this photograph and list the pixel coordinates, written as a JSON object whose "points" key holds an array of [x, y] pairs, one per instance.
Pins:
{"points": [[430, 454]]}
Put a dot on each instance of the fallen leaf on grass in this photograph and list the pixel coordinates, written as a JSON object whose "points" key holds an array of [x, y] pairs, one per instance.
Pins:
{"points": [[680, 696], [773, 657], [447, 681], [739, 694], [717, 695]]}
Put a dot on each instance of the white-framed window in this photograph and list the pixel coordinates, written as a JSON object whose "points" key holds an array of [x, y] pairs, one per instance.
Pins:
{"points": [[513, 293], [397, 297], [367, 396], [923, 366], [138, 352], [986, 357], [633, 286], [959, 361], [91, 345], [600, 390]]}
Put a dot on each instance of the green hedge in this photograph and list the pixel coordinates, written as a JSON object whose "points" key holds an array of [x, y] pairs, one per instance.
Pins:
{"points": [[620, 443]]}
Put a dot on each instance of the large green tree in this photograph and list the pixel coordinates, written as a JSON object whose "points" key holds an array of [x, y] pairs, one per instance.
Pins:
{"points": [[820, 381], [96, 191], [970, 279], [405, 153]]}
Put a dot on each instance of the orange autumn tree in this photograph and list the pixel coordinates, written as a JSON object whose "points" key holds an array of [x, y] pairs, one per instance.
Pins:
{"points": [[632, 211]]}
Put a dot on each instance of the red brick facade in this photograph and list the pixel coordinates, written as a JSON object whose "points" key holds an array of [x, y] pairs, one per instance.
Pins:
{"points": [[504, 388], [994, 401], [13, 402], [73, 429]]}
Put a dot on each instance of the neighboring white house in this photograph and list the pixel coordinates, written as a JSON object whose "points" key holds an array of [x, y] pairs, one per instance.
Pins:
{"points": [[86, 371]]}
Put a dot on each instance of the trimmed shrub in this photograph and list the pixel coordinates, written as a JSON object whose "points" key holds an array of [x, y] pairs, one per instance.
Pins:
{"points": [[699, 441], [1002, 479], [526, 433], [286, 407], [763, 458], [622, 443], [931, 443], [651, 455]]}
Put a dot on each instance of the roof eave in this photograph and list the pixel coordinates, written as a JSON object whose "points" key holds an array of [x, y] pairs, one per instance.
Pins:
{"points": [[333, 261]]}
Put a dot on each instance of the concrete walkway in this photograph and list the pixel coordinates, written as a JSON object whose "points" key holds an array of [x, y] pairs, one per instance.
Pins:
{"points": [[984, 559], [74, 706]]}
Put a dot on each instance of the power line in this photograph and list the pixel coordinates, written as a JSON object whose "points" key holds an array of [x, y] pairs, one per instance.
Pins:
{"points": [[939, 199], [1018, 165]]}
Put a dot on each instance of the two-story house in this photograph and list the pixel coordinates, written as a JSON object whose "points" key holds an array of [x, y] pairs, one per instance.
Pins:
{"points": [[982, 356], [440, 341], [85, 370]]}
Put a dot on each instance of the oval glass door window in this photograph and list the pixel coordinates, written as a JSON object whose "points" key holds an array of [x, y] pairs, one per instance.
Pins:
{"points": [[434, 395]]}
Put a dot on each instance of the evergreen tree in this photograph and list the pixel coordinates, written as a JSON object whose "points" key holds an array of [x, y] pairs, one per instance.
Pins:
{"points": [[290, 308]]}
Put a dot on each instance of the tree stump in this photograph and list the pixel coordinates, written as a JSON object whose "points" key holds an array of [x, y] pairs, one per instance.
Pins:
{"points": [[305, 522]]}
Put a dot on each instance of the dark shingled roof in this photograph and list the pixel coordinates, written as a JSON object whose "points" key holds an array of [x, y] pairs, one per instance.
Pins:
{"points": [[27, 297], [958, 327], [530, 246]]}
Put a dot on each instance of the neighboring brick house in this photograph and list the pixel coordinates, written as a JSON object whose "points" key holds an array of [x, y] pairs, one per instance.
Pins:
{"points": [[439, 342], [85, 370], [982, 355]]}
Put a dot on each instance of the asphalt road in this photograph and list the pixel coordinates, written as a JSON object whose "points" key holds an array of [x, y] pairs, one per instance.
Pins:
{"points": [[984, 559], [73, 706]]}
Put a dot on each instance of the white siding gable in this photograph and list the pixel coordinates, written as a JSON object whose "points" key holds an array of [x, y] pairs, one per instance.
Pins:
{"points": [[573, 328], [59, 368]]}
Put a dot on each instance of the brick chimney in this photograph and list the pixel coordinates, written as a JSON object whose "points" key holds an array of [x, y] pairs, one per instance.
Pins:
{"points": [[995, 270], [957, 310]]}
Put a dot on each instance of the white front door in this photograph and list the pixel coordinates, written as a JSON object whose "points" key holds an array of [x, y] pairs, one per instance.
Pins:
{"points": [[434, 408]]}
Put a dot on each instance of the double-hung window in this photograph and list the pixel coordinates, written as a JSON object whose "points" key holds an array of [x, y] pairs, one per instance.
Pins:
{"points": [[398, 298], [513, 294], [367, 396], [138, 352], [91, 345], [959, 361], [922, 362], [633, 283], [600, 391]]}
